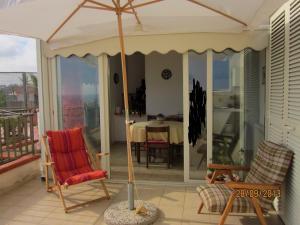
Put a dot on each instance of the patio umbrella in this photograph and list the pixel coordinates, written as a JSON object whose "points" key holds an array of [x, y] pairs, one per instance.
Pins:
{"points": [[65, 23]]}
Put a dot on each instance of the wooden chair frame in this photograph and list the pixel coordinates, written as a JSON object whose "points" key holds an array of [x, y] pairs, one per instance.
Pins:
{"points": [[56, 186], [237, 187], [220, 169], [165, 145]]}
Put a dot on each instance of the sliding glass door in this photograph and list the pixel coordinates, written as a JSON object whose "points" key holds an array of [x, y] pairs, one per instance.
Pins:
{"points": [[228, 107], [225, 102], [78, 97], [197, 131]]}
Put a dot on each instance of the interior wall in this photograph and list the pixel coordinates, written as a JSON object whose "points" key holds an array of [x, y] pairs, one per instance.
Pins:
{"points": [[135, 73], [164, 96], [115, 90]]}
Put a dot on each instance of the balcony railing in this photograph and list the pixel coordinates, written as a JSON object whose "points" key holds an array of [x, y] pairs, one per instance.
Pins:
{"points": [[16, 134]]}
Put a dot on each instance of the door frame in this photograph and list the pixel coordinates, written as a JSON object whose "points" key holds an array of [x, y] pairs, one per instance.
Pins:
{"points": [[209, 111]]}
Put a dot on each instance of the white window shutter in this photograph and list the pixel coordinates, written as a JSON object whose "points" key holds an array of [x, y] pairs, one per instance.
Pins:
{"points": [[291, 196], [294, 64], [284, 100], [276, 81]]}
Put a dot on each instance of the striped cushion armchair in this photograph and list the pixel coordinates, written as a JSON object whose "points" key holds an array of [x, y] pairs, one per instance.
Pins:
{"points": [[256, 194]]}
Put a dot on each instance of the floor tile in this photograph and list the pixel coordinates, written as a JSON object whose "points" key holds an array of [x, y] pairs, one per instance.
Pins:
{"points": [[177, 205]]}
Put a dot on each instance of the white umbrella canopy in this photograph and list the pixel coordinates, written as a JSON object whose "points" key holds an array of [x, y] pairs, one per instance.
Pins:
{"points": [[40, 18]]}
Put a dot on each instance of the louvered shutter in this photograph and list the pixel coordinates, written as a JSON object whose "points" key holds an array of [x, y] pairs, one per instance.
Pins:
{"points": [[291, 196], [276, 83], [251, 87], [284, 92], [294, 63]]}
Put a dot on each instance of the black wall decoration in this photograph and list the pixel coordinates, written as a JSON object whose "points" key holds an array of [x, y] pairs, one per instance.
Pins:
{"points": [[116, 78], [197, 115], [166, 74]]}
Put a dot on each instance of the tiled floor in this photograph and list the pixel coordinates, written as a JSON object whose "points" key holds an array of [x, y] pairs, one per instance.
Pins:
{"points": [[31, 204]]}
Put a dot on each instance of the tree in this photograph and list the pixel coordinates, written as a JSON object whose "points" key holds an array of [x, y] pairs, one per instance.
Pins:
{"points": [[2, 99]]}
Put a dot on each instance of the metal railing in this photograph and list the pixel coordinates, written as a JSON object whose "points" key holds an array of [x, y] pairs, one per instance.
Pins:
{"points": [[16, 134]]}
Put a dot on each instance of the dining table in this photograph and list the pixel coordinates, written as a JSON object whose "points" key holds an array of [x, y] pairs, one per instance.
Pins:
{"points": [[138, 133]]}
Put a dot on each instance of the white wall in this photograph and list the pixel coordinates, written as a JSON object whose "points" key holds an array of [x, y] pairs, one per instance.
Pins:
{"points": [[164, 96], [115, 90], [18, 176], [135, 72]]}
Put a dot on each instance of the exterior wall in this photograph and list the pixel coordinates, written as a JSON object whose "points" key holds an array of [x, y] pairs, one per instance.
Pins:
{"points": [[17, 176]]}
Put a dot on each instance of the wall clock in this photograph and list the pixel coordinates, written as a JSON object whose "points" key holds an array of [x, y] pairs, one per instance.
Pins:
{"points": [[166, 74]]}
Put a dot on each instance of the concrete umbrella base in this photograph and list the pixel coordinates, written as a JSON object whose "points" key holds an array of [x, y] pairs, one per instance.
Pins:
{"points": [[119, 214]]}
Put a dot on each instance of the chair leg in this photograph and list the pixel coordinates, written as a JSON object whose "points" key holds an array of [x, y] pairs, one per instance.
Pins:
{"points": [[200, 208], [47, 178], [105, 189], [227, 208], [147, 157], [138, 149], [258, 211], [213, 177], [62, 198]]}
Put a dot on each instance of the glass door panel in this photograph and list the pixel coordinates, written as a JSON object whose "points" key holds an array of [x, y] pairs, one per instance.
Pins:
{"points": [[78, 97], [197, 115], [228, 113]]}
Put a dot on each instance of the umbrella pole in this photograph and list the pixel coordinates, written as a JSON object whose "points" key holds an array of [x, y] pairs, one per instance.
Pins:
{"points": [[125, 93]]}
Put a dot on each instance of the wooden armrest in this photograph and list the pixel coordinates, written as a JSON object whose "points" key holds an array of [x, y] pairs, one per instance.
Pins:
{"points": [[49, 163], [252, 186], [101, 154], [227, 167]]}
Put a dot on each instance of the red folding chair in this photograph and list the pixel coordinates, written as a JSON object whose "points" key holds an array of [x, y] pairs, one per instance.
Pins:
{"points": [[67, 156]]}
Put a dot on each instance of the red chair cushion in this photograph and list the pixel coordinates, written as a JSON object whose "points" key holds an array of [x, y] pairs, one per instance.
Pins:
{"points": [[70, 157], [79, 178]]}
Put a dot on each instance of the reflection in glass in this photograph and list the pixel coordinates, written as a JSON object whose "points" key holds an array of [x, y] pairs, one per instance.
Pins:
{"points": [[78, 97], [255, 71], [227, 108], [238, 105], [198, 152]]}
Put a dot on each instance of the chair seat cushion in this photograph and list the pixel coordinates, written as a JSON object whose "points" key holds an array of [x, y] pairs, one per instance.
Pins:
{"points": [[216, 196], [83, 177]]}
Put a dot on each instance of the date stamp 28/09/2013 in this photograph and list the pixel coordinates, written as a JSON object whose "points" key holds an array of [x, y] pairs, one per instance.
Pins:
{"points": [[257, 193]]}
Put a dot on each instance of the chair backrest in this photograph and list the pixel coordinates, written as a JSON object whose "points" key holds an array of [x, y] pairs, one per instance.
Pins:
{"points": [[68, 152], [174, 118], [165, 130], [269, 166]]}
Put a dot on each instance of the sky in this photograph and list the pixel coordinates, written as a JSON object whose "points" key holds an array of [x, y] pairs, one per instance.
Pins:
{"points": [[17, 54]]}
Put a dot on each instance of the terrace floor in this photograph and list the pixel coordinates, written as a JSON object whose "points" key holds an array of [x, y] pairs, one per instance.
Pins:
{"points": [[31, 204]]}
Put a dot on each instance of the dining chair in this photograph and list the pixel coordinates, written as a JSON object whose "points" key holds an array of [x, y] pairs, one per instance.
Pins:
{"points": [[133, 144], [153, 144]]}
